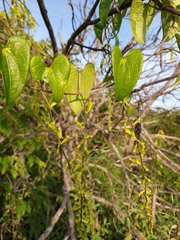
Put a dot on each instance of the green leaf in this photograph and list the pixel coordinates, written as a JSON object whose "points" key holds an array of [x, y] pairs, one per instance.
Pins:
{"points": [[128, 237], [14, 173], [126, 71], [108, 79], [104, 9], [170, 25], [141, 16], [56, 75], [178, 40], [178, 79], [39, 162], [5, 164], [98, 29], [120, 2], [37, 67], [20, 209], [117, 20], [14, 65], [79, 85], [59, 76], [116, 58]]}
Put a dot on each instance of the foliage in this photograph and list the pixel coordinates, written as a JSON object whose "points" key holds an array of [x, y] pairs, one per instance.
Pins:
{"points": [[82, 158]]}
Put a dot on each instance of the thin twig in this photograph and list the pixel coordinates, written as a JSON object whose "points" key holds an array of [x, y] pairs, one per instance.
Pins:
{"points": [[91, 48], [154, 201], [56, 216], [167, 8], [71, 219], [83, 26], [126, 4], [48, 25], [102, 200], [7, 26]]}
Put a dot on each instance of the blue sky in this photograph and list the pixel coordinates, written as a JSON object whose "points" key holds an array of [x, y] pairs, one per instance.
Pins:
{"points": [[60, 14], [60, 17]]}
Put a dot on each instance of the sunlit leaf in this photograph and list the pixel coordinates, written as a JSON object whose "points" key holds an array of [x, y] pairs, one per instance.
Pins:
{"points": [[79, 86], [89, 106], [56, 75], [39, 162], [141, 16], [128, 237], [37, 67], [170, 23], [178, 79], [14, 65]]}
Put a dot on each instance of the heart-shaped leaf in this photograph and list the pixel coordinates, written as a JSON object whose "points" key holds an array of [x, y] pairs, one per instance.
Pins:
{"points": [[141, 16], [126, 71], [56, 75], [79, 85], [37, 67], [14, 65]]}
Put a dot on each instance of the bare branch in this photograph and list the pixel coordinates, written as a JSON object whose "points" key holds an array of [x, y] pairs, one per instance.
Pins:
{"points": [[80, 28], [71, 220], [154, 201], [89, 22], [154, 82], [126, 4], [48, 25], [91, 48], [56, 216], [7, 26], [167, 8]]}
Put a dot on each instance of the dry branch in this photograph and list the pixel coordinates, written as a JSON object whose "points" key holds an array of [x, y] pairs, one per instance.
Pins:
{"points": [[48, 25], [56, 216]]}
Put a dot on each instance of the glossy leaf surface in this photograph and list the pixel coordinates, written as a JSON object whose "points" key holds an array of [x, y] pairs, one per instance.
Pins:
{"points": [[141, 16], [37, 67], [126, 71], [56, 75], [79, 85], [14, 65], [170, 25]]}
